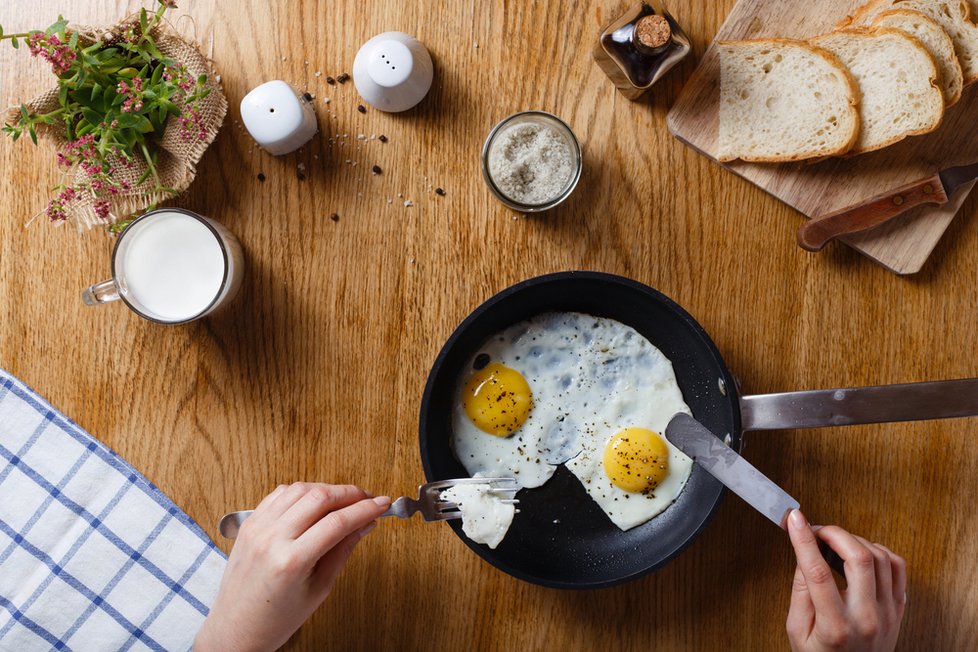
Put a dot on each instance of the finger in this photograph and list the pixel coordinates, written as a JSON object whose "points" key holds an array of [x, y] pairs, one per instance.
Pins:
{"points": [[898, 567], [329, 567], [884, 574], [286, 499], [860, 565], [267, 500], [801, 613], [319, 501], [818, 576], [319, 539]]}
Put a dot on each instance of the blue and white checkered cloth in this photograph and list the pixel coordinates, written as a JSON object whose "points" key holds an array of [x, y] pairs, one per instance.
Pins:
{"points": [[92, 555]]}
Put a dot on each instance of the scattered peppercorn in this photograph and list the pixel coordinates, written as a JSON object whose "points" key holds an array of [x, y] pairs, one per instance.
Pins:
{"points": [[307, 96], [376, 169], [334, 217], [330, 80], [343, 78], [300, 176], [261, 177], [382, 138], [440, 192], [361, 108]]}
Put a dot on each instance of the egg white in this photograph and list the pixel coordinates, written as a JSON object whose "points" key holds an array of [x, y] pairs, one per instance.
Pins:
{"points": [[591, 377]]}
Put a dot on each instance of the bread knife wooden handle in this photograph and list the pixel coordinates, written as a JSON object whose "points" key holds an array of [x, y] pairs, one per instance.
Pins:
{"points": [[817, 232]]}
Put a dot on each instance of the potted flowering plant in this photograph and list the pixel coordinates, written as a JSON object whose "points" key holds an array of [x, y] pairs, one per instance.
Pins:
{"points": [[134, 108]]}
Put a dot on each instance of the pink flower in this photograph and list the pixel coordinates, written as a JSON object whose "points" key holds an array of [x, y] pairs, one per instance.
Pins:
{"points": [[102, 209], [53, 50], [133, 93], [192, 124]]}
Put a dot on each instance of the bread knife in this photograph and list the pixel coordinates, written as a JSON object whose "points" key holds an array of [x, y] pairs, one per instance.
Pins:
{"points": [[737, 474], [938, 189]]}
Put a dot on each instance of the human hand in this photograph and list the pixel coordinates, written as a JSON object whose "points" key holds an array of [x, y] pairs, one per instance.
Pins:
{"points": [[287, 555], [866, 616]]}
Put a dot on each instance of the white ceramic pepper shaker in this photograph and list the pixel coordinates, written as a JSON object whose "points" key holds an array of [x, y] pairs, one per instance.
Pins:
{"points": [[393, 71], [278, 118]]}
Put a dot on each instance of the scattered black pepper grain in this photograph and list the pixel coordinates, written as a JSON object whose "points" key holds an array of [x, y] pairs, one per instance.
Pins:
{"points": [[376, 169], [382, 138], [440, 192], [334, 217], [343, 78], [261, 177], [361, 108], [300, 176], [307, 96], [330, 80]]}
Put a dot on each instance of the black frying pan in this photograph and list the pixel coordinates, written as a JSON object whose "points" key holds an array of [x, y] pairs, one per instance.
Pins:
{"points": [[561, 538]]}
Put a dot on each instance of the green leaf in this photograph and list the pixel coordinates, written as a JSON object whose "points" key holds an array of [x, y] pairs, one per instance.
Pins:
{"points": [[25, 114], [143, 27], [161, 114], [96, 93], [33, 134], [92, 117], [14, 42], [73, 41], [157, 75], [57, 27], [128, 73], [63, 94], [119, 99], [1, 31]]}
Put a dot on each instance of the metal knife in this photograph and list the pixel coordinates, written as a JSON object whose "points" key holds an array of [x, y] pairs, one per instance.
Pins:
{"points": [[938, 189], [723, 463]]}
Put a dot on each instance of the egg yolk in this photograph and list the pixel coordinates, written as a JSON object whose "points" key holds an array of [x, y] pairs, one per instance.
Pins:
{"points": [[497, 399], [636, 460]]}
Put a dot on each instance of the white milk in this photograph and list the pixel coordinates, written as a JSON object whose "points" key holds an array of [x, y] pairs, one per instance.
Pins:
{"points": [[171, 267]]}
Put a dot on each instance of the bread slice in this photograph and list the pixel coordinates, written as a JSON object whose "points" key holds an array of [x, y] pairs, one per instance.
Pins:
{"points": [[955, 16], [938, 44], [783, 100], [897, 78]]}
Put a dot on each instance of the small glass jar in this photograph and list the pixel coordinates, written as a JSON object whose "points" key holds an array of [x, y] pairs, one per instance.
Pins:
{"points": [[562, 130]]}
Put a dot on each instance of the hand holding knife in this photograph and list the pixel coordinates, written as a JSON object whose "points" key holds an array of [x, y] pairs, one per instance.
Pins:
{"points": [[722, 462], [938, 189]]}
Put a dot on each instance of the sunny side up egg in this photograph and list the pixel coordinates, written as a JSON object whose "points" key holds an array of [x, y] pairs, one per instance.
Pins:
{"points": [[573, 389]]}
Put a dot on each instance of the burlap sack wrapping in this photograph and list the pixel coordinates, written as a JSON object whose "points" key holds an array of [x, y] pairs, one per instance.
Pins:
{"points": [[177, 159]]}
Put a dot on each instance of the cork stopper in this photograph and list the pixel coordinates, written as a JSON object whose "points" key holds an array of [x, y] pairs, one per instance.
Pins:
{"points": [[651, 32]]}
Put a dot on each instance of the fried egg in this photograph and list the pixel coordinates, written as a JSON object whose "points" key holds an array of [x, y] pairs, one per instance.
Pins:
{"points": [[587, 392]]}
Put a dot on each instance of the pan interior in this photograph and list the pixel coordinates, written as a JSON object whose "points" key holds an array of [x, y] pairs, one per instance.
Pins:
{"points": [[561, 538]]}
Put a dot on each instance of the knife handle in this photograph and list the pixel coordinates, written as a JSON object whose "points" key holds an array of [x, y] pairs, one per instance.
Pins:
{"points": [[817, 232]]}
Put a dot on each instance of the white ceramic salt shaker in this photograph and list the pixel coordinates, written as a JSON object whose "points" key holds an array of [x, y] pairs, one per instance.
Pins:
{"points": [[278, 118], [393, 71]]}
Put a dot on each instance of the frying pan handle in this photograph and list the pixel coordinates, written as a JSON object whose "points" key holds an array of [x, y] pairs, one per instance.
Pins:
{"points": [[841, 407]]}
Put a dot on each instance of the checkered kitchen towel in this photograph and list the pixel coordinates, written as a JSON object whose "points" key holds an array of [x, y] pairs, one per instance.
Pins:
{"points": [[92, 555]]}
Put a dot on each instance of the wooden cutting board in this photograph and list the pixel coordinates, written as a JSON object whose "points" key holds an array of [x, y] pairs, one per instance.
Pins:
{"points": [[902, 245]]}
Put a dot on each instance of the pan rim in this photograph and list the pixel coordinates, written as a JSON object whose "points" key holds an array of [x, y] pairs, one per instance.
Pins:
{"points": [[563, 276]]}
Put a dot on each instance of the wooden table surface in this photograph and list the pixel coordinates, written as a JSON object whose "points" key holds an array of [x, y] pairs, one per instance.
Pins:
{"points": [[316, 371]]}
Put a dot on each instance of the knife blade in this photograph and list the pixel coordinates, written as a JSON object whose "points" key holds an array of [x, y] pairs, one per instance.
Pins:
{"points": [[740, 476], [937, 189]]}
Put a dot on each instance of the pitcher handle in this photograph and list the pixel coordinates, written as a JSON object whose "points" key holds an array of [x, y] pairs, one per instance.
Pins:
{"points": [[101, 293]]}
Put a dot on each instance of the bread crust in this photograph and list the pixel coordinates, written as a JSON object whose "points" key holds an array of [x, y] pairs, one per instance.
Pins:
{"points": [[861, 15], [918, 15], [866, 31], [834, 61]]}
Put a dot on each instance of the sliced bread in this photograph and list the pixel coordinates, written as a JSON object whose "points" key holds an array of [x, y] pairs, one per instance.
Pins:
{"points": [[955, 16], [897, 78], [783, 100], [937, 42]]}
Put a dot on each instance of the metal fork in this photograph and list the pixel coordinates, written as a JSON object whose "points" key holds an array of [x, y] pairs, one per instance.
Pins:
{"points": [[429, 503], [433, 508]]}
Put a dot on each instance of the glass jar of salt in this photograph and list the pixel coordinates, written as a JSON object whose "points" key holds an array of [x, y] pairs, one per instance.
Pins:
{"points": [[531, 161]]}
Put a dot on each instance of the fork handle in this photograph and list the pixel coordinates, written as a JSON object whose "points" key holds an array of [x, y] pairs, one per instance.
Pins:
{"points": [[230, 524]]}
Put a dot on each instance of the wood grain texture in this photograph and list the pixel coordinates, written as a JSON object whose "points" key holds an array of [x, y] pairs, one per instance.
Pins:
{"points": [[316, 371], [903, 245]]}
